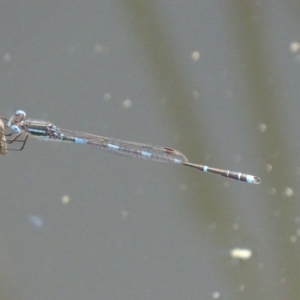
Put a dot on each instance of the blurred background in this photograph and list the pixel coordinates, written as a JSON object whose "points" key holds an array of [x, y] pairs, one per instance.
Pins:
{"points": [[217, 80]]}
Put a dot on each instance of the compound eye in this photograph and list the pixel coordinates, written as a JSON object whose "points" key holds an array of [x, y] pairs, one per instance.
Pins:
{"points": [[52, 127], [20, 112], [15, 129]]}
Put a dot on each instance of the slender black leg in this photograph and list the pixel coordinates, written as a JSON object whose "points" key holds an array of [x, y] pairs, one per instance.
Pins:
{"points": [[16, 140]]}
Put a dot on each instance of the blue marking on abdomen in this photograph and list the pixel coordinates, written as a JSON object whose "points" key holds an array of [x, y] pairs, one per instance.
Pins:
{"points": [[250, 179], [113, 147], [36, 130], [79, 141], [177, 161], [147, 154]]}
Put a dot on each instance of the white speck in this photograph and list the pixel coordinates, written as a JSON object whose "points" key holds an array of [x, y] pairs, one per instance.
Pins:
{"points": [[235, 226], [288, 192], [196, 95], [216, 295], [7, 57], [36, 221], [195, 55], [242, 287], [269, 167], [294, 47], [107, 96], [127, 103], [242, 254], [65, 199], [262, 127]]}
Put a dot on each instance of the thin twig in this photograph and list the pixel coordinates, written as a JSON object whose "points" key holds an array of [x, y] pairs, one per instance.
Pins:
{"points": [[3, 144]]}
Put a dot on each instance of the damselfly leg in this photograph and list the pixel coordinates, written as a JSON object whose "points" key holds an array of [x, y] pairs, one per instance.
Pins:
{"points": [[14, 139]]}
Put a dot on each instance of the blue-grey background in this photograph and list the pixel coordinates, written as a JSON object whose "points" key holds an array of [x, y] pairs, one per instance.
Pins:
{"points": [[217, 80]]}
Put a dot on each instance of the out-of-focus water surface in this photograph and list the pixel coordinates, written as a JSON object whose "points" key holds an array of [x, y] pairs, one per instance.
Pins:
{"points": [[217, 80]]}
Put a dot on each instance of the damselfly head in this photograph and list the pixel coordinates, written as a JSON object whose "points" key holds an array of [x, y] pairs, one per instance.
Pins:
{"points": [[16, 119], [21, 114]]}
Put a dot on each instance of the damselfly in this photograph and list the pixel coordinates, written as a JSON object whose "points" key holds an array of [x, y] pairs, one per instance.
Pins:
{"points": [[20, 126]]}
